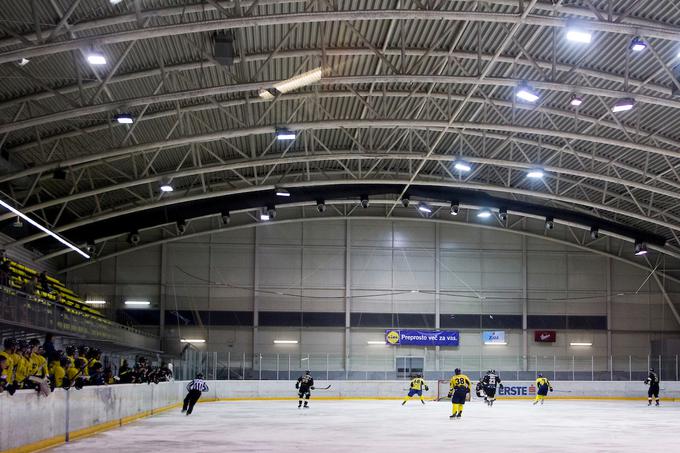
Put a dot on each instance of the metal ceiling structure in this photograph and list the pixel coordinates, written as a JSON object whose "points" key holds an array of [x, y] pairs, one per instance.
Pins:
{"points": [[409, 87]]}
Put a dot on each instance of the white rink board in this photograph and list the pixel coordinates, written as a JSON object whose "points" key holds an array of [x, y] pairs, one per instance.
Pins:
{"points": [[386, 426]]}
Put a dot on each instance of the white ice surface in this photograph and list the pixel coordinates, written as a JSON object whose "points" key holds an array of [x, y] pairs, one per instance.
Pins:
{"points": [[356, 426]]}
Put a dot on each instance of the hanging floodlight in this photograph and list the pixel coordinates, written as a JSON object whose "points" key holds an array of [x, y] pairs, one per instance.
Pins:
{"points": [[623, 105], [526, 93], [637, 44]]}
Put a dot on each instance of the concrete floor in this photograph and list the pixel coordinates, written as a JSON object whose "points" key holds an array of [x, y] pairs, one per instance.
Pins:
{"points": [[345, 426]]}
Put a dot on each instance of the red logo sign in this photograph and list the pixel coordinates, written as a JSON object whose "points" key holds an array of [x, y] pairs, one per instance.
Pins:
{"points": [[545, 336]]}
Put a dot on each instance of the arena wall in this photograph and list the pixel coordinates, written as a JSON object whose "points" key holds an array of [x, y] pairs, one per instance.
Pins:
{"points": [[30, 422]]}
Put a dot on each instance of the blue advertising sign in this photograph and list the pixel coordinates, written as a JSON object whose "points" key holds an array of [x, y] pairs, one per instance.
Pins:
{"points": [[422, 337], [494, 337]]}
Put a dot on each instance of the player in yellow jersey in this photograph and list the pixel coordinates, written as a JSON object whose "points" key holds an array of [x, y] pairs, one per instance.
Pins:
{"points": [[416, 388], [58, 371], [459, 387], [10, 346], [542, 387]]}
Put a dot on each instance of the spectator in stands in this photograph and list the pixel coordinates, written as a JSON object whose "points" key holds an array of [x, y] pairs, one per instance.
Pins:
{"points": [[31, 285], [4, 270], [44, 284], [37, 360]]}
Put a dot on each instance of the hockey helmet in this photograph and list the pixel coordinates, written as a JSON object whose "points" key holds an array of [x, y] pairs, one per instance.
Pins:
{"points": [[651, 370], [540, 374], [70, 350], [9, 343], [308, 372], [199, 375], [457, 371]]}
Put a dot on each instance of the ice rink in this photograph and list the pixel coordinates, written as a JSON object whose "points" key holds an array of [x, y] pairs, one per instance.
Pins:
{"points": [[343, 426]]}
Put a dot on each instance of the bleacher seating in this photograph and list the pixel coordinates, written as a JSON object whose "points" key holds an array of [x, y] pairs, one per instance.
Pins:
{"points": [[20, 275]]}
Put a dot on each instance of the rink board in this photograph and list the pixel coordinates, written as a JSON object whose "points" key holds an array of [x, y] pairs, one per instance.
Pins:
{"points": [[69, 415]]}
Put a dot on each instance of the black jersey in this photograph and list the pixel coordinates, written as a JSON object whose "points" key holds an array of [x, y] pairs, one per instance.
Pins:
{"points": [[491, 380], [305, 382], [652, 379]]}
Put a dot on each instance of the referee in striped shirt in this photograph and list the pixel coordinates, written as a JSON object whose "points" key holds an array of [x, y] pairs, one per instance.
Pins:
{"points": [[195, 388]]}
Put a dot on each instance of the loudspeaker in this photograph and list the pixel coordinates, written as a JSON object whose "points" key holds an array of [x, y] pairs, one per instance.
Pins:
{"points": [[224, 49]]}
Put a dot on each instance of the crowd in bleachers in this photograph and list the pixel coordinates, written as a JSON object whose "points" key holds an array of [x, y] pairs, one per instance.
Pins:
{"points": [[42, 367], [15, 276]]}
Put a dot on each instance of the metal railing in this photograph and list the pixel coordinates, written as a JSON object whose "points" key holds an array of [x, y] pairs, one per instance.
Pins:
{"points": [[23, 311], [232, 365]]}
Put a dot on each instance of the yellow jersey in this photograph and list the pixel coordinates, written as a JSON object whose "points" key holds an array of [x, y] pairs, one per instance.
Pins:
{"points": [[459, 381], [22, 369], [540, 382], [10, 365], [39, 365], [58, 374], [71, 374], [418, 384]]}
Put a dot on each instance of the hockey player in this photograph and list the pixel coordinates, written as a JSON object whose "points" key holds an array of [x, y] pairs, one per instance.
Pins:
{"points": [[542, 387], [196, 387], [304, 384], [490, 382], [416, 388], [653, 382], [459, 387]]}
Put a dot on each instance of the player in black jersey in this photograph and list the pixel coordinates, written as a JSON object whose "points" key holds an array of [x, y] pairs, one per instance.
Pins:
{"points": [[304, 384], [490, 382], [653, 382]]}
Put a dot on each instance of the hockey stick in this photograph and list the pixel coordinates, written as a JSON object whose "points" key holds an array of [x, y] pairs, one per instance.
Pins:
{"points": [[562, 391], [322, 388]]}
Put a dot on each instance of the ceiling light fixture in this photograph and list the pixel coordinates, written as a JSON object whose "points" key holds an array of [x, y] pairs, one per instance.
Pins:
{"points": [[484, 213], [503, 214], [321, 206], [405, 201], [462, 166], [137, 303], [285, 342], [95, 302], [282, 193], [535, 173], [166, 187], [376, 342], [580, 344], [549, 223], [192, 340], [424, 207], [455, 208], [43, 229], [623, 105], [23, 62], [637, 44], [640, 248], [284, 134], [594, 232], [96, 58], [576, 101], [578, 35], [124, 118], [526, 93], [364, 201]]}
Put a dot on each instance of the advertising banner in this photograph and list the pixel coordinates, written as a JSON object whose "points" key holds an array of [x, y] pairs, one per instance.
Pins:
{"points": [[545, 336], [494, 337], [422, 337]]}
